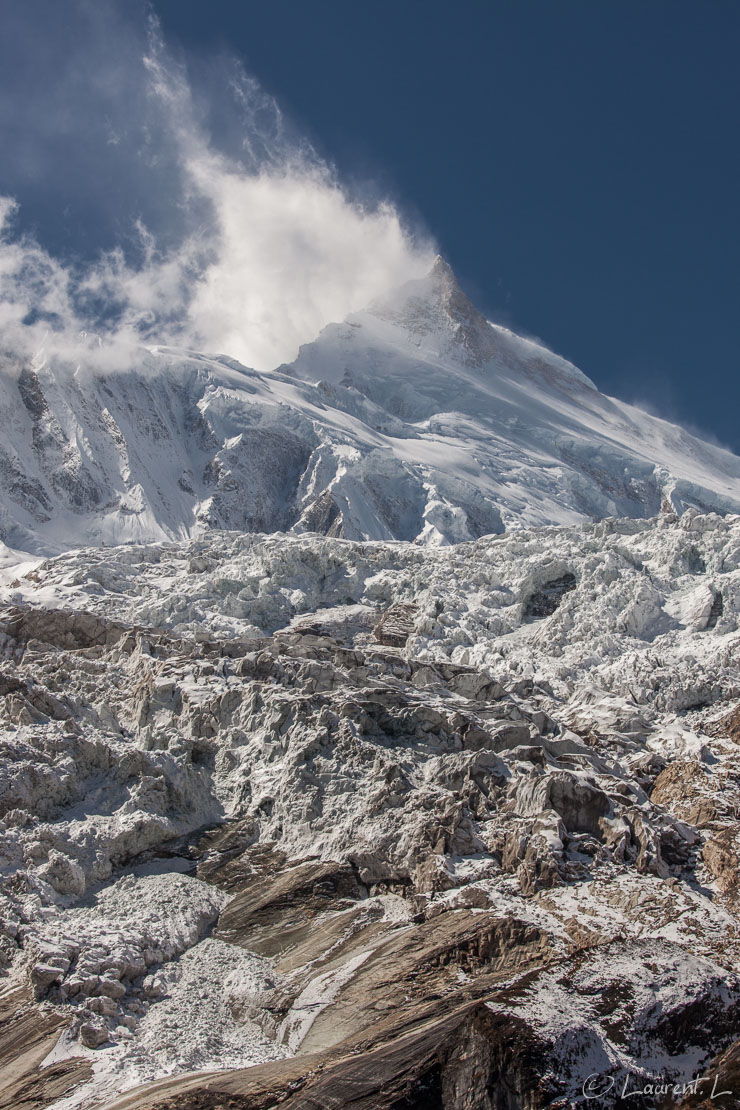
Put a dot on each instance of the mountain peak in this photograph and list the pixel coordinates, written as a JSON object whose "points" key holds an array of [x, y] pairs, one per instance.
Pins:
{"points": [[436, 306], [441, 269]]}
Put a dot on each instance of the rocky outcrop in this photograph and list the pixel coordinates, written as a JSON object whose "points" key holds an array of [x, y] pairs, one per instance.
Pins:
{"points": [[395, 626], [718, 1085], [545, 599], [727, 726], [27, 1036], [721, 855]]}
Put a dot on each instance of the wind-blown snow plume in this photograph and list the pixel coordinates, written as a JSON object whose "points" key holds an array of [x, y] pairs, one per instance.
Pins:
{"points": [[258, 246]]}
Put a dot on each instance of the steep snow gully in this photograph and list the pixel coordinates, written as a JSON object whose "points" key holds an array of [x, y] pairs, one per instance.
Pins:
{"points": [[295, 811]]}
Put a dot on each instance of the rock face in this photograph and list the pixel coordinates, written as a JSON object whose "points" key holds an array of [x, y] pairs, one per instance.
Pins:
{"points": [[311, 819], [395, 626]]}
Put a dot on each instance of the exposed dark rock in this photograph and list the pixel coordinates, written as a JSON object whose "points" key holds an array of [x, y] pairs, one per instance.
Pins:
{"points": [[70, 629], [721, 855], [32, 394], [323, 516], [545, 600], [396, 625], [718, 1087], [727, 726], [27, 1035], [262, 916], [716, 611]]}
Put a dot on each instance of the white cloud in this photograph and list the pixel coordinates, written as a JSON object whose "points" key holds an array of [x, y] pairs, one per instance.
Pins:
{"points": [[264, 246], [294, 254]]}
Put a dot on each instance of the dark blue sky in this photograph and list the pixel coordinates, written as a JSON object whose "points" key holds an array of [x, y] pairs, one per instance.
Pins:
{"points": [[577, 161]]}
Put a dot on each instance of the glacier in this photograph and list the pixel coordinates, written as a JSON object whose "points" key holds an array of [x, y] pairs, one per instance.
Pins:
{"points": [[352, 795]]}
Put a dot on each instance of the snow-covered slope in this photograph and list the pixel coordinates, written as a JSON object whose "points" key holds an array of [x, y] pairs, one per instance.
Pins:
{"points": [[415, 419], [471, 406]]}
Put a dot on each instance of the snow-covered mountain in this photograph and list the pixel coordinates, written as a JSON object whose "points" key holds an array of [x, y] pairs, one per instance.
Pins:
{"points": [[415, 419], [294, 819]]}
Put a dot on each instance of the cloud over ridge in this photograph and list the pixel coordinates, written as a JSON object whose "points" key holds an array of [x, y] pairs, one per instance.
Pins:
{"points": [[245, 242]]}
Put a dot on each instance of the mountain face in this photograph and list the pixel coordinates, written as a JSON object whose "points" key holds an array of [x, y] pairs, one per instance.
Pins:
{"points": [[291, 820], [416, 419], [293, 815]]}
